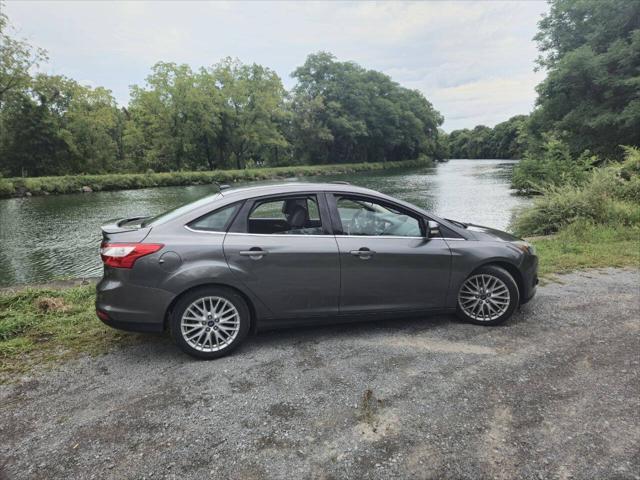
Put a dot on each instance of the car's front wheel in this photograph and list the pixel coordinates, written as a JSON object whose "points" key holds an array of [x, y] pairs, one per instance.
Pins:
{"points": [[209, 322], [489, 296]]}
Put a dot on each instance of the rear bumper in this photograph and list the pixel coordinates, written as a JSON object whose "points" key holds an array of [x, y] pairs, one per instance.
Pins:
{"points": [[131, 326], [131, 307], [529, 279]]}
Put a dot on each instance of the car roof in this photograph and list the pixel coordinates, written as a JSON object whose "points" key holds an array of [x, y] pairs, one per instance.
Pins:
{"points": [[293, 187]]}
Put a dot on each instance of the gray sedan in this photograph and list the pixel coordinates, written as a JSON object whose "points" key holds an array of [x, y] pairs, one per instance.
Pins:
{"points": [[282, 255]]}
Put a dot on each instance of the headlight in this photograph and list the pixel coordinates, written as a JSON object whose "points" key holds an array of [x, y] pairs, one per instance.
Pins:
{"points": [[526, 247]]}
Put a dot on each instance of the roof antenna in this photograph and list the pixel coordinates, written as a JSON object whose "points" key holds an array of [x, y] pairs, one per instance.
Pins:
{"points": [[221, 186]]}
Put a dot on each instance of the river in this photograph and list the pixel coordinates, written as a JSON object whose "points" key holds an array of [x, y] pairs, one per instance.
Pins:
{"points": [[54, 237]]}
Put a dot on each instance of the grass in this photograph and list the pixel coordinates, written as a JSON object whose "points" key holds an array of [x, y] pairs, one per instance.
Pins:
{"points": [[41, 326], [124, 181], [583, 245]]}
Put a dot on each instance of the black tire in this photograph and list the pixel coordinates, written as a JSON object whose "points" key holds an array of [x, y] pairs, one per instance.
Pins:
{"points": [[228, 295], [514, 296]]}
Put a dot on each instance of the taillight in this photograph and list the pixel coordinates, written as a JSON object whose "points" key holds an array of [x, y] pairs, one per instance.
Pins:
{"points": [[124, 255]]}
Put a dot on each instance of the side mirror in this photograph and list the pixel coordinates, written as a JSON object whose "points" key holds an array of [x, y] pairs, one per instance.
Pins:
{"points": [[433, 229]]}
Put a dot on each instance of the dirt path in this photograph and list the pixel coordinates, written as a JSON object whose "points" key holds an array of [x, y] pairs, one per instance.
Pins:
{"points": [[552, 394]]}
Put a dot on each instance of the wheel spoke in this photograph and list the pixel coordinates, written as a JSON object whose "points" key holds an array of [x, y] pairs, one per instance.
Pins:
{"points": [[203, 332], [191, 337], [227, 330], [198, 310]]}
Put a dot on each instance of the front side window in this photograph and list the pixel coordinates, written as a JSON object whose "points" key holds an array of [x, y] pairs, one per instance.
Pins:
{"points": [[215, 221], [286, 216], [366, 217]]}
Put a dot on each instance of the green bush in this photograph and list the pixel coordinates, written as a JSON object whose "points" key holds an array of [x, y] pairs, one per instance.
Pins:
{"points": [[608, 196], [556, 166], [6, 188]]}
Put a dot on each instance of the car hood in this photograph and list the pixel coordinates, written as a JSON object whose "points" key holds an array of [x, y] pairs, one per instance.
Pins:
{"points": [[486, 233]]}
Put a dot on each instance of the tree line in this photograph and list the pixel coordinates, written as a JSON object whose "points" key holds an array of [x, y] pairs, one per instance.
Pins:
{"points": [[505, 140], [228, 115], [235, 115]]}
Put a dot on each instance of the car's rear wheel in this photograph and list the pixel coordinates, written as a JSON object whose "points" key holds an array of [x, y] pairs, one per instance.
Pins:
{"points": [[489, 296], [210, 322]]}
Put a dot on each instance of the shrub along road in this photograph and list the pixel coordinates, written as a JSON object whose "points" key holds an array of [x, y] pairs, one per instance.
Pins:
{"points": [[553, 393]]}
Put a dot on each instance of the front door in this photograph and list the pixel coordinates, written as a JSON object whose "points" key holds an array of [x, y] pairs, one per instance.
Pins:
{"points": [[387, 263], [279, 248]]}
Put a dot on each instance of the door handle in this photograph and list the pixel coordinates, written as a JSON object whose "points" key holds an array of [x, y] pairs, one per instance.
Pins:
{"points": [[254, 253], [364, 253]]}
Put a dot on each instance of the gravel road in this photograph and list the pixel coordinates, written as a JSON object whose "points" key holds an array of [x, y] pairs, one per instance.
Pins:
{"points": [[552, 394]]}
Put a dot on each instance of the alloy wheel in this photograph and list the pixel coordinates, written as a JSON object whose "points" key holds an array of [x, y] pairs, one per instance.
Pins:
{"points": [[484, 297], [209, 324]]}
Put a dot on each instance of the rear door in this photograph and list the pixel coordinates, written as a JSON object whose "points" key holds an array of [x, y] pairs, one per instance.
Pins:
{"points": [[387, 263], [281, 248]]}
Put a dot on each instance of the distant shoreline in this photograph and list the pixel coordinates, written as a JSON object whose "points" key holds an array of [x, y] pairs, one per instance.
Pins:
{"points": [[36, 186]]}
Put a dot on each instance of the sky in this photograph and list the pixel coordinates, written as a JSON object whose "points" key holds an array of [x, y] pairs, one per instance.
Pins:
{"points": [[473, 60]]}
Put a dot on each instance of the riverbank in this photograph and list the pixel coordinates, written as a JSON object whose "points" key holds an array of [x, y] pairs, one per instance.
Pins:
{"points": [[44, 325], [17, 187]]}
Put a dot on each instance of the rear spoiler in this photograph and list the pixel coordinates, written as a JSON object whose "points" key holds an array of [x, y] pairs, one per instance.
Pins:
{"points": [[117, 225]]}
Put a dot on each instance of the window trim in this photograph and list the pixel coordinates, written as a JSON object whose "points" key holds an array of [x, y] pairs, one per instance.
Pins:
{"points": [[337, 222], [227, 224], [240, 224]]}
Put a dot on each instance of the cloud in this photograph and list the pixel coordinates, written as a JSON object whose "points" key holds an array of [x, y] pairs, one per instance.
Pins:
{"points": [[488, 101], [472, 60]]}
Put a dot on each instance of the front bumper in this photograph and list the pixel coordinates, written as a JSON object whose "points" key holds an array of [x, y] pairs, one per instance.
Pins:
{"points": [[131, 307], [529, 271]]}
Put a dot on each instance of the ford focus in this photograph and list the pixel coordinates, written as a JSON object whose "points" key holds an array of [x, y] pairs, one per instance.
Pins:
{"points": [[256, 258]]}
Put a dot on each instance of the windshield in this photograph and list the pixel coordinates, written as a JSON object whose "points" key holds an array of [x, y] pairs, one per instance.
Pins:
{"points": [[176, 212]]}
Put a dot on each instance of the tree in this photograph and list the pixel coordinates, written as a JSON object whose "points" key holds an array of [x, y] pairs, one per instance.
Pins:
{"points": [[95, 128], [252, 113], [349, 114], [163, 118], [591, 96], [32, 141], [219, 117], [17, 57], [58, 127]]}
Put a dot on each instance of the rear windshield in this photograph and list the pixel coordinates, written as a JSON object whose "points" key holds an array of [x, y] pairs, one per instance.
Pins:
{"points": [[178, 211]]}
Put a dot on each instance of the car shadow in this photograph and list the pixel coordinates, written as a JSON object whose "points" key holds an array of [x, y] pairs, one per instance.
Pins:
{"points": [[161, 345], [146, 346], [357, 329]]}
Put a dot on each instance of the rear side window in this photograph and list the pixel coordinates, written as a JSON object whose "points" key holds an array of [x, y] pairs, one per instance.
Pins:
{"points": [[291, 215], [176, 212], [216, 221]]}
